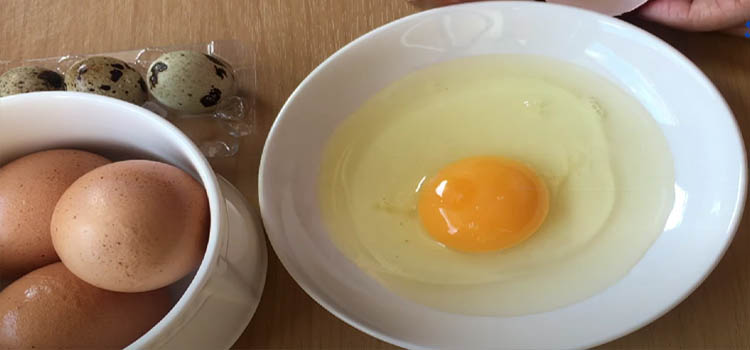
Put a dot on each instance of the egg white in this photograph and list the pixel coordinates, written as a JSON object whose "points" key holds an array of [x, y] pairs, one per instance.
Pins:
{"points": [[575, 129]]}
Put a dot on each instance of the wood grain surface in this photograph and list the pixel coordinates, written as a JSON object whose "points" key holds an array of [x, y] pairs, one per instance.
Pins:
{"points": [[288, 39]]}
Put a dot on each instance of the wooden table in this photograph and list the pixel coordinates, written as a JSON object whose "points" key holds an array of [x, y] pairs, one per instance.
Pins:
{"points": [[290, 38]]}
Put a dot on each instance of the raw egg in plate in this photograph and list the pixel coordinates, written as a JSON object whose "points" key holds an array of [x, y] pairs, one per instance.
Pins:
{"points": [[512, 175], [481, 184]]}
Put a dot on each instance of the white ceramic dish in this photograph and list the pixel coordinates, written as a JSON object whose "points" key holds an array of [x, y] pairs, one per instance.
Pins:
{"points": [[607, 7], [216, 304], [708, 153]]}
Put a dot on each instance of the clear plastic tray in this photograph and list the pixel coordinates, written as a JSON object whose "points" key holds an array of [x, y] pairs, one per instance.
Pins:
{"points": [[217, 134]]}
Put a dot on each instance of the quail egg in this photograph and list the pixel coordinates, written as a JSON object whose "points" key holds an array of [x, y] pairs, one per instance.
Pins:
{"points": [[108, 77], [190, 81], [28, 79]]}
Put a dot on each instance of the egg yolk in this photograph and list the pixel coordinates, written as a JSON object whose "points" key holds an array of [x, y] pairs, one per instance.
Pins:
{"points": [[483, 204]]}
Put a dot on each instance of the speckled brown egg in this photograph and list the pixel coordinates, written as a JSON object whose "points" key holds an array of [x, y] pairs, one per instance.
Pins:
{"points": [[190, 81], [50, 308], [25, 79], [107, 76], [132, 226], [29, 188]]}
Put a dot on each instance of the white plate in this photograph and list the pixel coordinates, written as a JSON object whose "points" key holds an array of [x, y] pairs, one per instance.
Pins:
{"points": [[708, 153]]}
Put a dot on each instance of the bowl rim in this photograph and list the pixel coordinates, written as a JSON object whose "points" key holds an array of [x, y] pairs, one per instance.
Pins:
{"points": [[266, 208]]}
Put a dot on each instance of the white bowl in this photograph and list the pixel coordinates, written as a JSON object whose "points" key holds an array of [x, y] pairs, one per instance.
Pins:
{"points": [[709, 161], [215, 305]]}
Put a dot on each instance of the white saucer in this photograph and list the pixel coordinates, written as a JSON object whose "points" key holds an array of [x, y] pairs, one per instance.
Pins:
{"points": [[229, 298]]}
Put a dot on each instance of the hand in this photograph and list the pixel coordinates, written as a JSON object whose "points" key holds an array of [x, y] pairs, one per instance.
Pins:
{"points": [[694, 15], [698, 15]]}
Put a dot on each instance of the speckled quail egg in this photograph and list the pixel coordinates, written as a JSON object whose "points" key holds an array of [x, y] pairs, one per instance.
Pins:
{"points": [[29, 79], [190, 81], [107, 76]]}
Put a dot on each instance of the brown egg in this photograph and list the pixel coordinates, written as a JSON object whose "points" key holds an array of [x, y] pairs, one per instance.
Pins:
{"points": [[50, 308], [29, 189], [132, 226]]}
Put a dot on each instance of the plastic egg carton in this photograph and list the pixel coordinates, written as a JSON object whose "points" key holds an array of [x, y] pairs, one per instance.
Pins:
{"points": [[217, 134]]}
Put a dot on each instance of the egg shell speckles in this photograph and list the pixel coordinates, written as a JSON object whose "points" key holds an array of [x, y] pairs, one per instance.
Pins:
{"points": [[50, 308], [29, 188], [25, 79], [132, 226], [190, 81], [107, 76]]}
